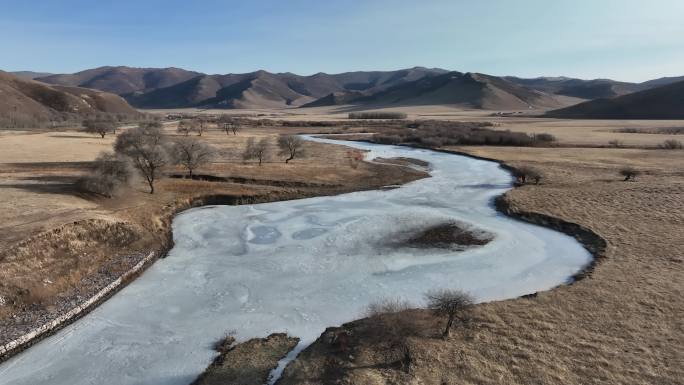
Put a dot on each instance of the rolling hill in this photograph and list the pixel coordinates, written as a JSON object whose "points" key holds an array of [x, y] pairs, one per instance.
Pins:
{"points": [[589, 89], [122, 80], [28, 103], [176, 88], [469, 90], [30, 74], [665, 102]]}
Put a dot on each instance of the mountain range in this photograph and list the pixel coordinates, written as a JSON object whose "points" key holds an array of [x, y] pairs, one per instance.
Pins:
{"points": [[178, 88], [662, 102], [28, 103], [107, 89]]}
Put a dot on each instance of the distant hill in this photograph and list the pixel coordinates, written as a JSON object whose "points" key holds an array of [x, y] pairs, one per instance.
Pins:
{"points": [[122, 80], [584, 89], [469, 90], [662, 81], [177, 88], [664, 102], [30, 74], [589, 89], [28, 103]]}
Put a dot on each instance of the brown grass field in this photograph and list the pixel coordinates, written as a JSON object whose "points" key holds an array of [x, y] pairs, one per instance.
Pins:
{"points": [[624, 324]]}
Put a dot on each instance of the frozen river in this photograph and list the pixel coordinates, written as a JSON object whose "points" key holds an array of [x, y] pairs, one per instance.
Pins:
{"points": [[298, 267]]}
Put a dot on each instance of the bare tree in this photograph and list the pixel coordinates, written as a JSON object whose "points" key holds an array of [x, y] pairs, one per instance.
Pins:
{"points": [[525, 173], [201, 125], [256, 150], [147, 148], [192, 153], [109, 174], [228, 124], [290, 146], [99, 126], [629, 173], [454, 304], [184, 127]]}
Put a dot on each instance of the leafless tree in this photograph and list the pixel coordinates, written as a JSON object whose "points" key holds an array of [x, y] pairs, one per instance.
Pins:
{"points": [[100, 126], [290, 146], [525, 173], [228, 124], [110, 173], [147, 148], [192, 153], [454, 304], [201, 125], [185, 126], [629, 173], [256, 150]]}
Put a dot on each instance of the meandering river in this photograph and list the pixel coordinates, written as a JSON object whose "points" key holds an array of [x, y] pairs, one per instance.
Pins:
{"points": [[298, 267]]}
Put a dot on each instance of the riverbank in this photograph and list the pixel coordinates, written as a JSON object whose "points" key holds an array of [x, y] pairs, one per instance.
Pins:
{"points": [[619, 324], [83, 262]]}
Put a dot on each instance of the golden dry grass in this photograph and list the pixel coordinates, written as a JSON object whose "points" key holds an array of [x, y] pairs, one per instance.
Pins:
{"points": [[622, 325]]}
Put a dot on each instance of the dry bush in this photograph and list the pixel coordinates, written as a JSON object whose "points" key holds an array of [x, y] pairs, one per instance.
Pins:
{"points": [[191, 153], [147, 147], [256, 150], [109, 175], [290, 146], [226, 343], [629, 173], [228, 124], [525, 174], [387, 306], [455, 305], [377, 115], [101, 126], [544, 137], [615, 143], [434, 134], [671, 144]]}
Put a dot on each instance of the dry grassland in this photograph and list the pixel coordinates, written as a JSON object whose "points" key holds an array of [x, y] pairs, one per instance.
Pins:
{"points": [[623, 324], [59, 245]]}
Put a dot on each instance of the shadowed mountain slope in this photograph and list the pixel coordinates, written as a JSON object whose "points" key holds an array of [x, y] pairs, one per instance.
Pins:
{"points": [[665, 102], [25, 102]]}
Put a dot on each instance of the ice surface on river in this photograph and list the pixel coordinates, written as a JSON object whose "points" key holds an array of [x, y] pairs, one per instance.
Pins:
{"points": [[298, 266]]}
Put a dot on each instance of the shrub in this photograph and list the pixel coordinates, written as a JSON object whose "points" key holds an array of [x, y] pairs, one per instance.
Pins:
{"points": [[629, 173], [226, 343], [387, 306], [101, 126], [109, 175], [256, 150], [192, 153], [671, 144], [616, 143], [290, 146], [456, 305], [147, 148], [544, 137], [377, 115], [525, 173]]}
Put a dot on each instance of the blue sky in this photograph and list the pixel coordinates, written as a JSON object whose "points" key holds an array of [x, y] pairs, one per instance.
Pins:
{"points": [[631, 40]]}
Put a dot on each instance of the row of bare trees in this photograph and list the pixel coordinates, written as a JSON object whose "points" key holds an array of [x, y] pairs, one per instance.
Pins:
{"points": [[148, 150], [200, 125], [289, 146]]}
